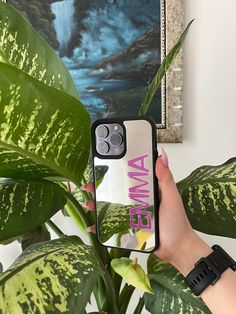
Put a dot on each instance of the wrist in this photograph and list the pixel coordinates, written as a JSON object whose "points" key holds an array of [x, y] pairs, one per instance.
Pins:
{"points": [[189, 252]]}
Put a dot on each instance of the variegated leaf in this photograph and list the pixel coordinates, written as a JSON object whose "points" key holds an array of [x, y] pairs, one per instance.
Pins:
{"points": [[171, 295], [88, 176], [44, 124], [112, 219], [18, 166], [115, 219], [22, 47], [51, 277], [25, 205], [209, 197], [132, 273]]}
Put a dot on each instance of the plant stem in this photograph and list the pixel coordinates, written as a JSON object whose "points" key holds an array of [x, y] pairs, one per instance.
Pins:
{"points": [[125, 297], [75, 216], [79, 209], [54, 227], [139, 307]]}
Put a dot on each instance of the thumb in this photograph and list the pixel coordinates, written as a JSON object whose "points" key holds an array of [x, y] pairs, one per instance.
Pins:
{"points": [[166, 181]]}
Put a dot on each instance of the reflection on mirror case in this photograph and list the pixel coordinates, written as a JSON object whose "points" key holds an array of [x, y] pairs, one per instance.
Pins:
{"points": [[125, 197]]}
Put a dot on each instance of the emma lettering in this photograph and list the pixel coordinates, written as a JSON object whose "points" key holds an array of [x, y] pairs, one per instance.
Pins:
{"points": [[140, 217]]}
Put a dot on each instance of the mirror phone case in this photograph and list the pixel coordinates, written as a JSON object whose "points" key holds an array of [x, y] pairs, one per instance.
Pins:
{"points": [[124, 154]]}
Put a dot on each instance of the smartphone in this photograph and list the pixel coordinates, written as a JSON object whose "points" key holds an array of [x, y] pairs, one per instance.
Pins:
{"points": [[124, 151]]}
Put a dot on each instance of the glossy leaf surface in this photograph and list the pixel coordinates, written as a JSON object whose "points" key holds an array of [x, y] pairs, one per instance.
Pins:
{"points": [[22, 47], [44, 124], [171, 295], [25, 205], [51, 277], [132, 273], [209, 197]]}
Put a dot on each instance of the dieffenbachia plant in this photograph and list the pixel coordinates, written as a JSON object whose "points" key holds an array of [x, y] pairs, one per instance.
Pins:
{"points": [[44, 145]]}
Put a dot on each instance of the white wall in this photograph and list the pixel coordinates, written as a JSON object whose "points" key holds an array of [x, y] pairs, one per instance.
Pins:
{"points": [[209, 97]]}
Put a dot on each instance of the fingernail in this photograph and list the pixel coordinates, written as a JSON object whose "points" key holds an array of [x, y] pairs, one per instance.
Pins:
{"points": [[90, 205], [91, 229], [164, 158], [89, 187], [83, 187]]}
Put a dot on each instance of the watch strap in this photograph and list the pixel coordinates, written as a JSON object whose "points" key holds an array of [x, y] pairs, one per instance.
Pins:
{"points": [[209, 269]]}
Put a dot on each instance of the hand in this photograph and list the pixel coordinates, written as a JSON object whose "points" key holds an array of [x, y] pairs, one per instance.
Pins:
{"points": [[177, 237]]}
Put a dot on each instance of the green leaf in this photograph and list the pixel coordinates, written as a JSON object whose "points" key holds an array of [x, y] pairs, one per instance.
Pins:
{"points": [[209, 197], [113, 219], [22, 47], [17, 166], [171, 293], [51, 277], [44, 124], [132, 273], [100, 172], [25, 205], [1, 268], [168, 60]]}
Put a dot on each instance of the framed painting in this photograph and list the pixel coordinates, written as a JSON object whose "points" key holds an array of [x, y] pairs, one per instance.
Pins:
{"points": [[113, 49]]}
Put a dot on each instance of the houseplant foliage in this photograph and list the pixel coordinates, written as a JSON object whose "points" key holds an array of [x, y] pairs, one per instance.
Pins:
{"points": [[44, 141]]}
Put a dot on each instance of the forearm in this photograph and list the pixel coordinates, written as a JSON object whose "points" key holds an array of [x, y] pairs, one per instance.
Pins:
{"points": [[220, 297]]}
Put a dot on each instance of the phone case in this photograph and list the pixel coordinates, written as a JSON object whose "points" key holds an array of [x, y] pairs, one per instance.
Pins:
{"points": [[126, 188]]}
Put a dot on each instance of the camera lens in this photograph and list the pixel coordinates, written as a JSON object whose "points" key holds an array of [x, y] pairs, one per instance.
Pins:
{"points": [[102, 131], [103, 148], [116, 139]]}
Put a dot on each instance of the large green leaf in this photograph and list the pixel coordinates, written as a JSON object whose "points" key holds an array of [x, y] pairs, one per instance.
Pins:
{"points": [[22, 47], [51, 277], [209, 196], [132, 273], [25, 205], [165, 65], [18, 166], [44, 124], [100, 172], [171, 293], [113, 219]]}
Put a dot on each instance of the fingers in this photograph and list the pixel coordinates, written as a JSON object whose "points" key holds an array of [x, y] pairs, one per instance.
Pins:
{"points": [[90, 205], [166, 183], [89, 187], [92, 229]]}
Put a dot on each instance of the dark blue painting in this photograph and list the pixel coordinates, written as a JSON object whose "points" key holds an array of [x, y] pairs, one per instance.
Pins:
{"points": [[111, 47]]}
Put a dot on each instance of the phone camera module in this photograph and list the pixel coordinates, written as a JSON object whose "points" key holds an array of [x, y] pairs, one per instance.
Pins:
{"points": [[103, 148], [102, 131], [116, 139]]}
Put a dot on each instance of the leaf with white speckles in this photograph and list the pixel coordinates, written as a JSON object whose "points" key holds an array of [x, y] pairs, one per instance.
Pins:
{"points": [[51, 277], [44, 124], [19, 166], [88, 175], [25, 205], [209, 197], [171, 295], [22, 47]]}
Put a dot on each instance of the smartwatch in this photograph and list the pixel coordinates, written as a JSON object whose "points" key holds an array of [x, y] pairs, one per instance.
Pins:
{"points": [[209, 269]]}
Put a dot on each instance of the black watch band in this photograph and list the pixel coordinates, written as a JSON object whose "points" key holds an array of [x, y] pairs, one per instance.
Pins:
{"points": [[209, 269]]}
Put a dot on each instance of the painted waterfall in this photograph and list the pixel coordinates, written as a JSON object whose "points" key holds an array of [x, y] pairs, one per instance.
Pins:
{"points": [[111, 47]]}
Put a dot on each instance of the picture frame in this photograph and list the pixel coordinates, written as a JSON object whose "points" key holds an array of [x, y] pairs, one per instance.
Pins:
{"points": [[170, 126]]}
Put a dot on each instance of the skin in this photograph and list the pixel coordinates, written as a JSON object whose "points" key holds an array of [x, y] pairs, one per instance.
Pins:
{"points": [[180, 245]]}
